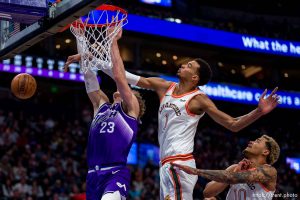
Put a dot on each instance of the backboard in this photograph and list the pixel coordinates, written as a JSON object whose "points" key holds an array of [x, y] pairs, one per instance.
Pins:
{"points": [[44, 19]]}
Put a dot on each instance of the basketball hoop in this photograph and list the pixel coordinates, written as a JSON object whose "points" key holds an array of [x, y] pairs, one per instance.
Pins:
{"points": [[94, 35]]}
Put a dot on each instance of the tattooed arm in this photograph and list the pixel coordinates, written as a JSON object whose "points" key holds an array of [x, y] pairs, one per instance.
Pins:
{"points": [[262, 174], [214, 188]]}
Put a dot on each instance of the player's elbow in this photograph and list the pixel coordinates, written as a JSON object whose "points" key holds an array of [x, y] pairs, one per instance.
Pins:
{"points": [[144, 83], [207, 193], [234, 129], [233, 126]]}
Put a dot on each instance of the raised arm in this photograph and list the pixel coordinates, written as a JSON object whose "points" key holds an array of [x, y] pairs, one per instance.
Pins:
{"points": [[264, 174], [153, 83], [203, 103], [96, 95], [120, 79]]}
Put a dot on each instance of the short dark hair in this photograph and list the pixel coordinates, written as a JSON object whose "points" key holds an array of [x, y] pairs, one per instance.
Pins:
{"points": [[205, 72]]}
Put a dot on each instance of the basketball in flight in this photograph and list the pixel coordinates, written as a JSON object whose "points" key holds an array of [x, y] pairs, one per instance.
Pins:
{"points": [[23, 86]]}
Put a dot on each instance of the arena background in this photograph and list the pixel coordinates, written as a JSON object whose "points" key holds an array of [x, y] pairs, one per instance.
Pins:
{"points": [[43, 139]]}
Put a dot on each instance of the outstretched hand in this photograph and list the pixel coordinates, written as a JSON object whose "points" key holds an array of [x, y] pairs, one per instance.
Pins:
{"points": [[119, 34], [110, 31], [70, 60], [186, 169], [266, 105]]}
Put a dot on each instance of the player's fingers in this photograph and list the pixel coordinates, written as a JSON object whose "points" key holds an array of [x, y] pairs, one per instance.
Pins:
{"points": [[66, 67], [70, 59], [68, 63], [176, 165], [274, 91], [264, 94]]}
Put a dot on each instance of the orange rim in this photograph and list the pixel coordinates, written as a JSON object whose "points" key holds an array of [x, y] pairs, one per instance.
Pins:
{"points": [[103, 7]]}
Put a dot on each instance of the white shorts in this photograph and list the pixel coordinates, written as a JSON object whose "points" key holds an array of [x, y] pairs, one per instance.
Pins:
{"points": [[174, 183]]}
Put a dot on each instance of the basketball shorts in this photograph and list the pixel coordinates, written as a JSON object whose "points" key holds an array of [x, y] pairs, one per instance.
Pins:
{"points": [[107, 180], [174, 183]]}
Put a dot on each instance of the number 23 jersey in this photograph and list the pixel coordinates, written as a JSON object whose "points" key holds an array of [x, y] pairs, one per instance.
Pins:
{"points": [[111, 135]]}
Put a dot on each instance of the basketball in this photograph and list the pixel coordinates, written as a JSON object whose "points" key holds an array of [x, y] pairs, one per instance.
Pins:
{"points": [[23, 86]]}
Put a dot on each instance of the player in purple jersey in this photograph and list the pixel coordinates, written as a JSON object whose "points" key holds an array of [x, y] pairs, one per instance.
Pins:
{"points": [[112, 132]]}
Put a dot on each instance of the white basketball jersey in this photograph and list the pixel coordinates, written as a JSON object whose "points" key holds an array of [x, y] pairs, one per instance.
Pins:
{"points": [[249, 191], [176, 125]]}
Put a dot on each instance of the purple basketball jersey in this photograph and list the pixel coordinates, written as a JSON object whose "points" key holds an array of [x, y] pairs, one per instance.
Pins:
{"points": [[111, 135]]}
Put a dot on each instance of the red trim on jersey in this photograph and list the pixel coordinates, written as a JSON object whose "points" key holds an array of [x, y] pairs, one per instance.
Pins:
{"points": [[184, 94], [187, 107], [182, 157], [170, 87], [264, 187]]}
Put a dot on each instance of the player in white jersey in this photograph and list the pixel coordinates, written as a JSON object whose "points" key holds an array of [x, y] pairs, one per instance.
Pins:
{"points": [[251, 179], [182, 105]]}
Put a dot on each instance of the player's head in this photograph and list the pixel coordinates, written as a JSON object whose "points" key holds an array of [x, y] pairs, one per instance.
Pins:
{"points": [[266, 147], [117, 98], [197, 71]]}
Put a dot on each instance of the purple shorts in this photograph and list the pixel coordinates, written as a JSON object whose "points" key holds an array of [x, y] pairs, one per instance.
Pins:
{"points": [[99, 182]]}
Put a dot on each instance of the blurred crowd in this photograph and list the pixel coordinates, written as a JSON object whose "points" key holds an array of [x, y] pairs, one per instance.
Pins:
{"points": [[44, 157], [41, 158]]}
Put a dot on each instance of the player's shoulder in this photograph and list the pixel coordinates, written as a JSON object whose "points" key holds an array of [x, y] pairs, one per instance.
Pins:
{"points": [[168, 85], [268, 169], [200, 97], [268, 172]]}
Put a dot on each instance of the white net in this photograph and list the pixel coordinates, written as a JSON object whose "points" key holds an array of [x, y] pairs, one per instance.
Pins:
{"points": [[94, 35]]}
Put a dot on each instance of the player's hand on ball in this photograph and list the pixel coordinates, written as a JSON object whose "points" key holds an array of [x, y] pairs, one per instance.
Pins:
{"points": [[186, 169]]}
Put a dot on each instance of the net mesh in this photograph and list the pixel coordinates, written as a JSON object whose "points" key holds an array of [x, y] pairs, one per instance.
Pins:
{"points": [[94, 35]]}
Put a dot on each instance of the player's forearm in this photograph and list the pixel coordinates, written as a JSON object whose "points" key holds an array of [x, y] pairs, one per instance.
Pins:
{"points": [[91, 81], [213, 188], [224, 176], [245, 120], [118, 66], [119, 74], [131, 78]]}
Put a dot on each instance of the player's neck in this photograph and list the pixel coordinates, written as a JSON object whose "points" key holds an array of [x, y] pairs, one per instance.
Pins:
{"points": [[184, 87], [256, 162]]}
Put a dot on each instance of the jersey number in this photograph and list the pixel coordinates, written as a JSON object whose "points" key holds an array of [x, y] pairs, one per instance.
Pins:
{"points": [[240, 194], [166, 121], [107, 127]]}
